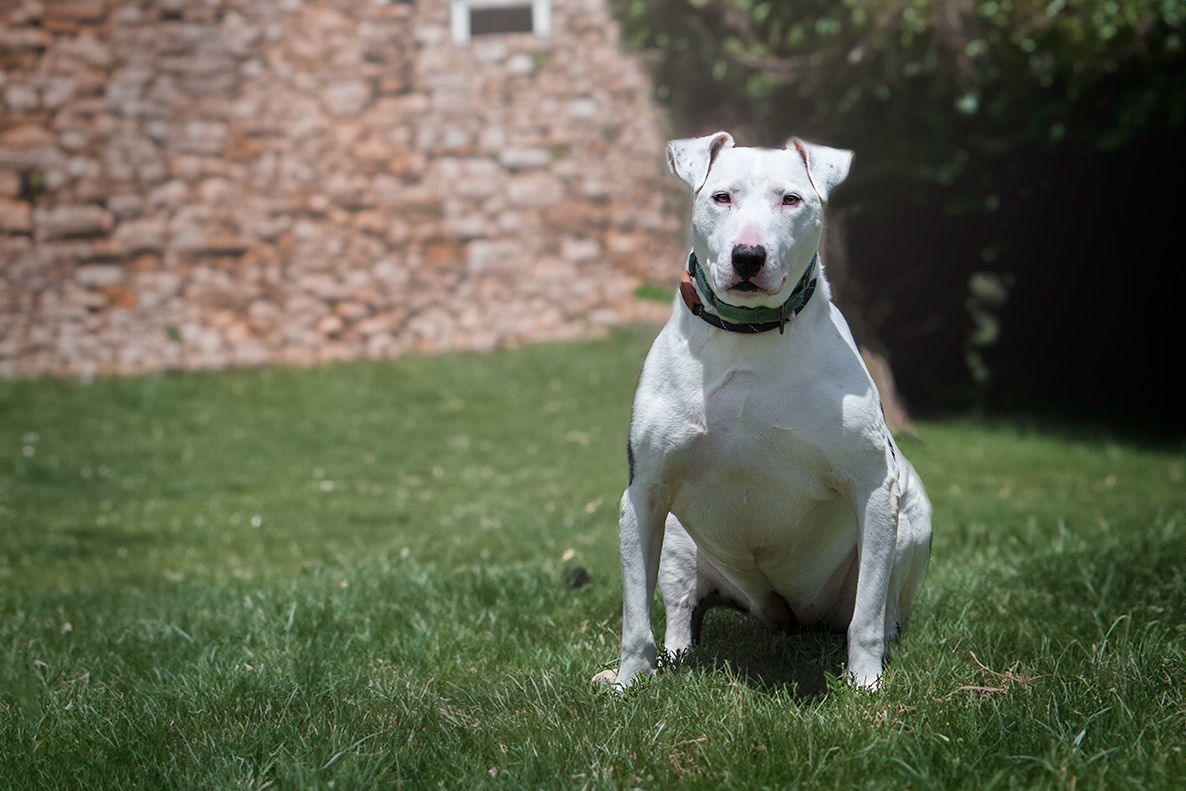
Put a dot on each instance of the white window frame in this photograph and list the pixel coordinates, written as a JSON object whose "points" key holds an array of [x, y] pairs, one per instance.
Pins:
{"points": [[541, 16]]}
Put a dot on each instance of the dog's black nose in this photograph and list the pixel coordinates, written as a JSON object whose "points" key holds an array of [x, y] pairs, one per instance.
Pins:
{"points": [[748, 260]]}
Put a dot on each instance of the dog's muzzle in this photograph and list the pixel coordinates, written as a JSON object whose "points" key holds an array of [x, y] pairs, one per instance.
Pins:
{"points": [[748, 260]]}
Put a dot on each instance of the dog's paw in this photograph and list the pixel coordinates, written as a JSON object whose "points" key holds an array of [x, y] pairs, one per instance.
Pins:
{"points": [[608, 682], [869, 682], [619, 682], [605, 677]]}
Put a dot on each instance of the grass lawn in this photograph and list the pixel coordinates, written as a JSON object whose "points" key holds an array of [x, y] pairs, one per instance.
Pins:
{"points": [[359, 576]]}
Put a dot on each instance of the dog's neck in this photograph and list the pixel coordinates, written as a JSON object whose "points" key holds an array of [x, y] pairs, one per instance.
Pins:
{"points": [[696, 292]]}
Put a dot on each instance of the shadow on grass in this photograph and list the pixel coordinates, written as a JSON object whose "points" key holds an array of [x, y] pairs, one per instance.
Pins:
{"points": [[796, 661]]}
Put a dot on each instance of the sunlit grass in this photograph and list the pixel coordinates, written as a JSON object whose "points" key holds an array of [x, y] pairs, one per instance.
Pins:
{"points": [[357, 575]]}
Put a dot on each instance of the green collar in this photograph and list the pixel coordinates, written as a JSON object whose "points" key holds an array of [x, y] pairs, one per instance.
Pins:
{"points": [[777, 317]]}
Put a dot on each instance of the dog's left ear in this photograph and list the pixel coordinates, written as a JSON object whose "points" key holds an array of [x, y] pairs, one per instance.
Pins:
{"points": [[690, 158], [826, 167]]}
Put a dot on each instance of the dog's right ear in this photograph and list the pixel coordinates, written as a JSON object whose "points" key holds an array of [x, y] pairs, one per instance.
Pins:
{"points": [[690, 158]]}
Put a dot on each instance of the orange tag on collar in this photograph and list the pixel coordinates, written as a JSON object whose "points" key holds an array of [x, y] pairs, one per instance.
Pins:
{"points": [[687, 290]]}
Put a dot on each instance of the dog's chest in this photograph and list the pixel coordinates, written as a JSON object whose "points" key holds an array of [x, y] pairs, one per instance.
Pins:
{"points": [[755, 453], [756, 493]]}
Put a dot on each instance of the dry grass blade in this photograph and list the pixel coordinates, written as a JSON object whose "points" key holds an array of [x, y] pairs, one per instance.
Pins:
{"points": [[1007, 681]]}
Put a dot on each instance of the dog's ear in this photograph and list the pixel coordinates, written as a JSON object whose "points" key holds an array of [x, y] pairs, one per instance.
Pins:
{"points": [[826, 167], [690, 158]]}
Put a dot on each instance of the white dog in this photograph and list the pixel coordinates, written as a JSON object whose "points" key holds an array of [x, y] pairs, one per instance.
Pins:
{"points": [[761, 468]]}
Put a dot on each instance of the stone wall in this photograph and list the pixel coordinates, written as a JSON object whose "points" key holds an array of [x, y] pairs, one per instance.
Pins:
{"points": [[200, 183]]}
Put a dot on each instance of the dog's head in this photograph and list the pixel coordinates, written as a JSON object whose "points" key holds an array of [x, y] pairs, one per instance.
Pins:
{"points": [[757, 213]]}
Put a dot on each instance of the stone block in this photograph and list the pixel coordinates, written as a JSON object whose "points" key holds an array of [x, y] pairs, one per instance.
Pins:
{"points": [[206, 238], [120, 295], [264, 315], [27, 136], [493, 257], [64, 222], [536, 190], [101, 250], [144, 235], [568, 215], [73, 139], [88, 49], [19, 39], [583, 108], [524, 158], [125, 205], [347, 98], [329, 326], [73, 15], [96, 275], [438, 255], [580, 249], [352, 311], [15, 216], [202, 137], [10, 184], [22, 98], [169, 195]]}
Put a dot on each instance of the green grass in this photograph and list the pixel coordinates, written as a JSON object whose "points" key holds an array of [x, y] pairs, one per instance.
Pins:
{"points": [[354, 577], [655, 292]]}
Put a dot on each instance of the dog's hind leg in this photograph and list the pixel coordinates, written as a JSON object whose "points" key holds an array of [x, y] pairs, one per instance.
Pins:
{"points": [[912, 552], [681, 585], [690, 588]]}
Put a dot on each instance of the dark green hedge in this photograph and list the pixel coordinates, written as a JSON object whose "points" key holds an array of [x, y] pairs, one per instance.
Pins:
{"points": [[1012, 220]]}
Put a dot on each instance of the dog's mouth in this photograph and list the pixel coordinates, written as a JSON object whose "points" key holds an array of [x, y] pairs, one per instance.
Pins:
{"points": [[746, 286], [755, 287]]}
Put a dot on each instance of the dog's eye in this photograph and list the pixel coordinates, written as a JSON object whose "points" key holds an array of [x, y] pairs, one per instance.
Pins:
{"points": [[722, 198], [791, 200]]}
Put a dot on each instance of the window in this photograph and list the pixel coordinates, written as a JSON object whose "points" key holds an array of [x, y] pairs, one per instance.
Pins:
{"points": [[489, 17], [500, 19]]}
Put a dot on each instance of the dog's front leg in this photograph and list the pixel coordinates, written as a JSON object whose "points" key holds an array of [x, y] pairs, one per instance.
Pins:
{"points": [[643, 512], [868, 640]]}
